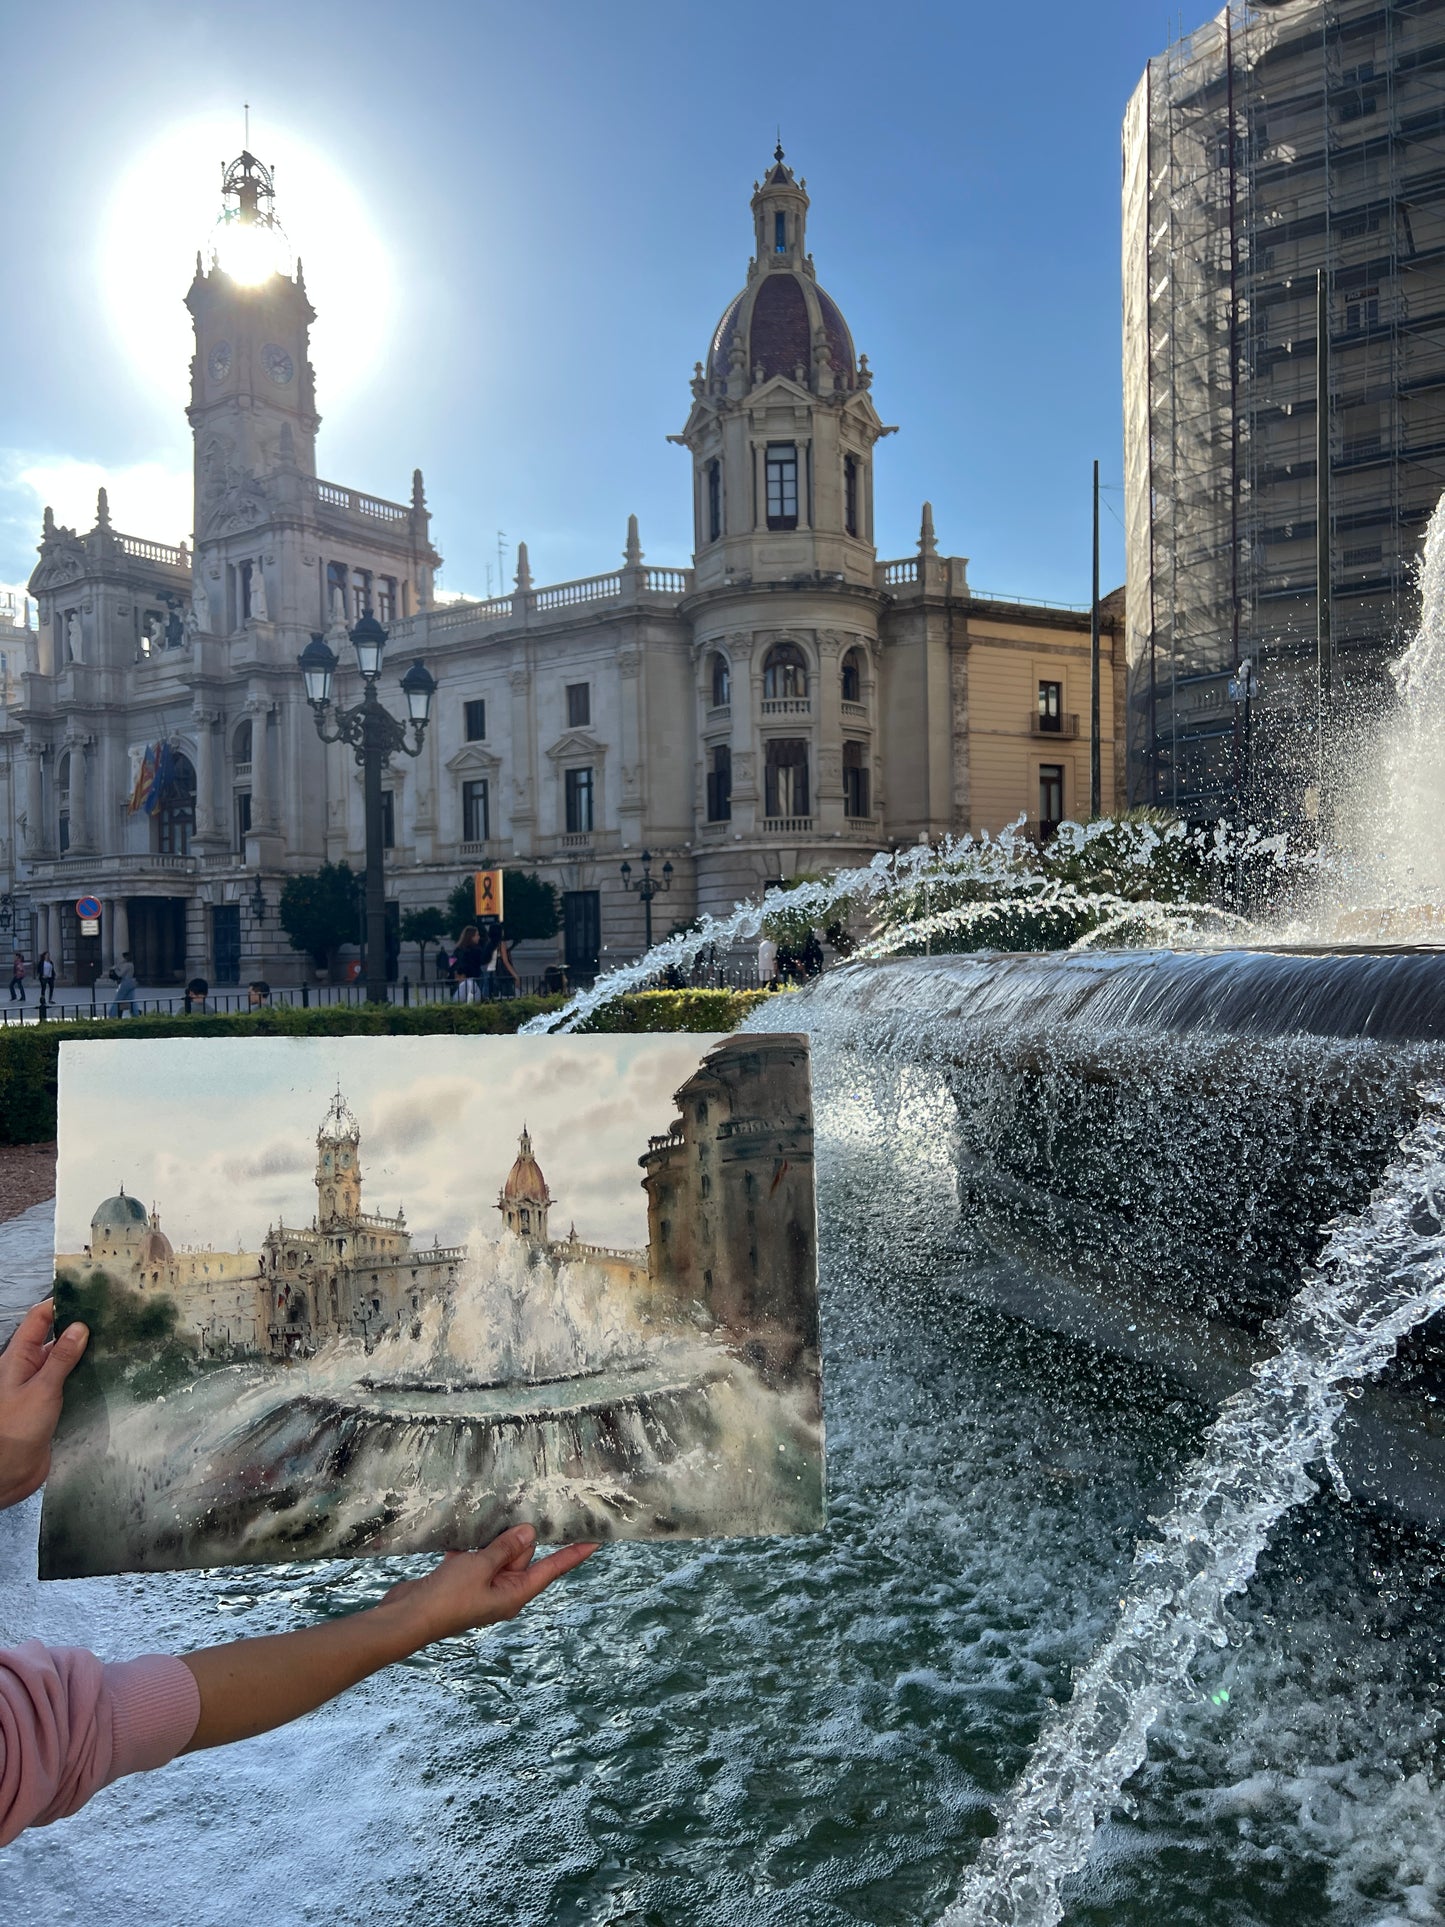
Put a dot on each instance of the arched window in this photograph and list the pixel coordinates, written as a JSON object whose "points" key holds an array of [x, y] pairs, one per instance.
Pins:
{"points": [[241, 741], [722, 680], [853, 676], [175, 814], [720, 784], [714, 500], [785, 672], [850, 494], [855, 780]]}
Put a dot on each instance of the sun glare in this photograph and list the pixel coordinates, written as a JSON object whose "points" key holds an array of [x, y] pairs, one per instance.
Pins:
{"points": [[167, 206]]}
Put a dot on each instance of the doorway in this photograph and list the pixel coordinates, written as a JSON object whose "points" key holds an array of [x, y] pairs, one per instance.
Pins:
{"points": [[226, 942], [158, 939], [582, 931]]}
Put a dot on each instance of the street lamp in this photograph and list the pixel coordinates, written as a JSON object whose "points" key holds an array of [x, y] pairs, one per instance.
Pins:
{"points": [[647, 887], [256, 902], [375, 736]]}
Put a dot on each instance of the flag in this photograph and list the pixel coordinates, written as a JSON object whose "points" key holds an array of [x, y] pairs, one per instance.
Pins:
{"points": [[145, 778], [162, 778]]}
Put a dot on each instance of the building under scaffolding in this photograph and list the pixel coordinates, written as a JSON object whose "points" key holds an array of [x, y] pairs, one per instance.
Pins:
{"points": [[1277, 141]]}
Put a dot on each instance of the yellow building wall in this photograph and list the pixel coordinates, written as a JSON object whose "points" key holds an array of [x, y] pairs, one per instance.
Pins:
{"points": [[1006, 664]]}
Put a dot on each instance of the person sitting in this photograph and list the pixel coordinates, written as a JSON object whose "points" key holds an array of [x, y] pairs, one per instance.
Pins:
{"points": [[70, 1723], [197, 991]]}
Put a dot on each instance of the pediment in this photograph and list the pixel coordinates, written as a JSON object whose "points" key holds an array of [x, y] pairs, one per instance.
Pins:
{"points": [[473, 759], [577, 742]]}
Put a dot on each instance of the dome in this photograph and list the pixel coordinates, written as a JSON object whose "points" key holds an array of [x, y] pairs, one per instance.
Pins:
{"points": [[119, 1213], [525, 1183], [157, 1249], [782, 321], [777, 317]]}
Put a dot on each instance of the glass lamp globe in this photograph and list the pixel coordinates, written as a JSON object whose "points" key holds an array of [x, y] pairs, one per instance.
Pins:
{"points": [[368, 639], [318, 665], [418, 685]]}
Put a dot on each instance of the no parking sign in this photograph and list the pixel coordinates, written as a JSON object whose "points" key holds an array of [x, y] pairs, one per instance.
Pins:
{"points": [[88, 910]]}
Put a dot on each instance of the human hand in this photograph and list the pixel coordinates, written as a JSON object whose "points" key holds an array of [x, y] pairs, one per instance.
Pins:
{"points": [[471, 1589], [33, 1371]]}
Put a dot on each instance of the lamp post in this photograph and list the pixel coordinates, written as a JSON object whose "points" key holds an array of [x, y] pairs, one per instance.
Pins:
{"points": [[256, 902], [375, 736], [647, 887]]}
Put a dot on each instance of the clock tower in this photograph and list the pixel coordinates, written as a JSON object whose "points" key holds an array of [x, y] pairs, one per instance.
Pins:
{"points": [[338, 1167], [253, 394]]}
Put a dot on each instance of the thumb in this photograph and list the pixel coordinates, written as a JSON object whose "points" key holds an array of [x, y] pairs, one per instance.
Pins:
{"points": [[63, 1357]]}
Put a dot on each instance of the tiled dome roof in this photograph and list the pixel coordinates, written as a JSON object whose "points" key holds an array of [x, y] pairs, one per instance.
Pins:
{"points": [[774, 317], [525, 1183]]}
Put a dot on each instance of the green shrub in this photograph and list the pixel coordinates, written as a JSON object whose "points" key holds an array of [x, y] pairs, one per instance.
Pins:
{"points": [[28, 1052]]}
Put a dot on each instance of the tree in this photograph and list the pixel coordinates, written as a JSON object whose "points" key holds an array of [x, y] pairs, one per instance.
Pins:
{"points": [[423, 928], [529, 906], [320, 912]]}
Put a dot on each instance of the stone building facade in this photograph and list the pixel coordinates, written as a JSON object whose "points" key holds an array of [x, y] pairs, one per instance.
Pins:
{"points": [[785, 704]]}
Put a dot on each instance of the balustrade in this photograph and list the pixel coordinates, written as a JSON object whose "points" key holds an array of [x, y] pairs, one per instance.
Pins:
{"points": [[788, 706], [788, 825]]}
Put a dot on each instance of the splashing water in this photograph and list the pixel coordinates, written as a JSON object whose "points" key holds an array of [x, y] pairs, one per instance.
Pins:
{"points": [[897, 889], [1380, 1275]]}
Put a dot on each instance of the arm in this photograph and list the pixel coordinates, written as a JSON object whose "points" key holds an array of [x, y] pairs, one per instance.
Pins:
{"points": [[251, 1685]]}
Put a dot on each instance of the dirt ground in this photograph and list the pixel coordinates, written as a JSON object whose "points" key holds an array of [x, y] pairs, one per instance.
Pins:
{"points": [[27, 1174]]}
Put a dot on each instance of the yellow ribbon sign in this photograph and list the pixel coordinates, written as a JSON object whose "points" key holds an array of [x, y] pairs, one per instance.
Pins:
{"points": [[487, 892]]}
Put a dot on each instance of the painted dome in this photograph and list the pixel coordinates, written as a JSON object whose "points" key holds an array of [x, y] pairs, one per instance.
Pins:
{"points": [[525, 1183], [120, 1213], [157, 1249]]}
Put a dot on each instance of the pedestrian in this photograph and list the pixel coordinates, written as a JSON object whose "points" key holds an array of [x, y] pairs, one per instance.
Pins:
{"points": [[767, 962], [45, 971], [257, 994], [69, 1725], [17, 978], [443, 964], [197, 991], [468, 964], [123, 977], [812, 959], [499, 978]]}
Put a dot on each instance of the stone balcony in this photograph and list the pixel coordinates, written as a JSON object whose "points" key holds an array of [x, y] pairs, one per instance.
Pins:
{"points": [[631, 587]]}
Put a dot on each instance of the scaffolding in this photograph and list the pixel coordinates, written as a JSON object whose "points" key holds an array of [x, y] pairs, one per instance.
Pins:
{"points": [[1277, 141]]}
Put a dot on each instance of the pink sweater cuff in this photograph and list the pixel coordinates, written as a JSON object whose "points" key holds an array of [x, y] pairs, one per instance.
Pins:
{"points": [[155, 1708]]}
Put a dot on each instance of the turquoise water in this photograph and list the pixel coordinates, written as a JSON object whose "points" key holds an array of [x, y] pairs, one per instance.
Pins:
{"points": [[810, 1733]]}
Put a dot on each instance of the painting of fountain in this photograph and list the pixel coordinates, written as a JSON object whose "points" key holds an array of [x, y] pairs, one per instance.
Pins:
{"points": [[350, 1380]]}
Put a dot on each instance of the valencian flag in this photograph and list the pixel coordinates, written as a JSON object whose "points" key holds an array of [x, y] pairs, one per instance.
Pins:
{"points": [[145, 778], [156, 779]]}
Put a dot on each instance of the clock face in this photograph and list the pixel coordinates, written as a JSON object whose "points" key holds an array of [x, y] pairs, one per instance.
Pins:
{"points": [[345, 1159], [277, 363], [220, 361]]}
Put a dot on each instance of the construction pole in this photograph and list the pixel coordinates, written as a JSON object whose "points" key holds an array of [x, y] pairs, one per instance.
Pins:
{"points": [[1324, 616], [1096, 777]]}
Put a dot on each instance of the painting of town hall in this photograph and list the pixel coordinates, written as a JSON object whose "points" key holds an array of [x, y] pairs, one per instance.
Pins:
{"points": [[369, 1295]]}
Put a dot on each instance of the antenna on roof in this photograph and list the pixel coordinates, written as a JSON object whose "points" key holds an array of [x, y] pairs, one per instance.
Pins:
{"points": [[246, 109]]}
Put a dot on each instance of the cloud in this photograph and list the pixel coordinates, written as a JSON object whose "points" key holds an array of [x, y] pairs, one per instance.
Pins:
{"points": [[153, 499], [282, 1157]]}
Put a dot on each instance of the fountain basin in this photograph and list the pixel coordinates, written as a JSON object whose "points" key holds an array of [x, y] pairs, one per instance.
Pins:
{"points": [[1151, 1147]]}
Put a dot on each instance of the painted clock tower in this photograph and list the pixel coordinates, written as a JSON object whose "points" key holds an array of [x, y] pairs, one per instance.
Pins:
{"points": [[338, 1167]]}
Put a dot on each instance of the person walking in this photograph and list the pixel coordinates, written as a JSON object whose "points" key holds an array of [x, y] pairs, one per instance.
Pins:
{"points": [[45, 971], [767, 963], [500, 978], [468, 964], [17, 978], [123, 977]]}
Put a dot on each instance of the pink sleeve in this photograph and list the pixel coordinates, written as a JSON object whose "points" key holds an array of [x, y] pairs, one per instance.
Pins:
{"points": [[70, 1725]]}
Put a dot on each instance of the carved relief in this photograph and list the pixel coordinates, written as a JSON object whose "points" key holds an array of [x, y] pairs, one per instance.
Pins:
{"points": [[629, 662], [521, 681]]}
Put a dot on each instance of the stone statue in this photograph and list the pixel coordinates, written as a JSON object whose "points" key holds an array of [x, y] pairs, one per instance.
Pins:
{"points": [[74, 646], [200, 617], [258, 591]]}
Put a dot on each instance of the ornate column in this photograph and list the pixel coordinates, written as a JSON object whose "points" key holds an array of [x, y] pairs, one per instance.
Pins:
{"points": [[76, 747], [122, 927], [524, 764], [36, 841], [259, 711], [827, 797], [208, 832], [632, 803], [108, 951]]}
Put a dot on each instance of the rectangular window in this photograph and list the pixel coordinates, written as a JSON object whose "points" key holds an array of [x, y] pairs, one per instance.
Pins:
{"points": [[785, 788], [720, 784], [855, 780], [850, 494], [780, 233], [386, 598], [474, 716], [1051, 797], [1362, 310], [1051, 706], [388, 819], [579, 704], [582, 931], [782, 471], [476, 818], [714, 501], [64, 828], [579, 802], [243, 818], [360, 593]]}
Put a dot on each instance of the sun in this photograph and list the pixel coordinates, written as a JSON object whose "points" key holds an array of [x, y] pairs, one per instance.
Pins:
{"points": [[168, 206]]}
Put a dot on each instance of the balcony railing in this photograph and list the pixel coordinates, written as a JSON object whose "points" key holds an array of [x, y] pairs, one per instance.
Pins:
{"points": [[243, 770], [895, 573], [101, 867], [788, 706], [667, 581], [144, 551], [332, 495], [1063, 727], [588, 588], [719, 713], [859, 710], [788, 825], [575, 840], [475, 847]]}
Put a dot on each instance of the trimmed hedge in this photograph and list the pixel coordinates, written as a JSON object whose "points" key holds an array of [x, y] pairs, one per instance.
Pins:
{"points": [[29, 1052]]}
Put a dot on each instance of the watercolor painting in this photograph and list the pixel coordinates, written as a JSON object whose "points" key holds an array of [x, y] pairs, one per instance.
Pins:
{"points": [[366, 1295]]}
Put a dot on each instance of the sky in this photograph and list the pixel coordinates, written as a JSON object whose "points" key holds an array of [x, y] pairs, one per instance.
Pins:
{"points": [[521, 220], [230, 1147]]}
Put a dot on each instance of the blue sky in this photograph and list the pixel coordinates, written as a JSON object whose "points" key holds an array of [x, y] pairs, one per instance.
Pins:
{"points": [[526, 220]]}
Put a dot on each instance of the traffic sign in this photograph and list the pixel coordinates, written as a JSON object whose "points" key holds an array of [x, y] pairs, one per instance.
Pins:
{"points": [[87, 907]]}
